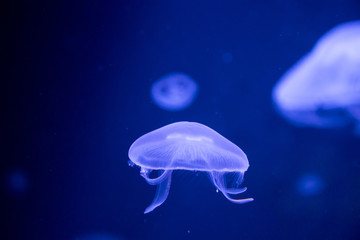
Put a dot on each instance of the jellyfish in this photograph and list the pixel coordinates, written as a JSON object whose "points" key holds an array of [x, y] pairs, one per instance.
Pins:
{"points": [[174, 92], [323, 88], [189, 146]]}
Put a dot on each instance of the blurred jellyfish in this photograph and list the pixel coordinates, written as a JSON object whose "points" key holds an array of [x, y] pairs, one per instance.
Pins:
{"points": [[174, 92], [227, 57], [310, 184], [16, 182], [98, 236], [323, 88], [189, 146]]}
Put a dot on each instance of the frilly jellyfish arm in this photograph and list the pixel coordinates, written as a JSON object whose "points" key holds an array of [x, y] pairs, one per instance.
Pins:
{"points": [[218, 179], [162, 190], [238, 201], [144, 172], [235, 190]]}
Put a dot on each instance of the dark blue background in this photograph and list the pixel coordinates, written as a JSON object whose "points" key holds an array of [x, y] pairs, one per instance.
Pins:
{"points": [[75, 95]]}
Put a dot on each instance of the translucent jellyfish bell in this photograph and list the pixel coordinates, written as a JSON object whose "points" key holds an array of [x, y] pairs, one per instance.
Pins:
{"points": [[174, 92], [323, 88], [189, 146]]}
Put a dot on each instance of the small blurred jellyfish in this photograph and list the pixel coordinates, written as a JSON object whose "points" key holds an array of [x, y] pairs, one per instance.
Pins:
{"points": [[98, 236], [174, 92], [16, 182], [309, 185], [323, 88], [227, 57]]}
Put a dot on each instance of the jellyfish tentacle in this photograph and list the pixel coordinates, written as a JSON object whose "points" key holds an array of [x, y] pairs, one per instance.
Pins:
{"points": [[162, 191], [237, 183], [218, 179], [219, 182], [144, 172], [238, 201], [235, 190]]}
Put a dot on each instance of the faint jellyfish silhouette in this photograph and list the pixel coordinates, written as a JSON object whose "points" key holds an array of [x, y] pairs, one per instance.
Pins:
{"points": [[227, 57], [189, 146], [310, 184], [16, 182], [323, 88], [174, 92], [98, 236]]}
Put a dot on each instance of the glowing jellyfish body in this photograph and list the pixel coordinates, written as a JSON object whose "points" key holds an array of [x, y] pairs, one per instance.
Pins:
{"points": [[323, 88], [189, 146], [174, 92]]}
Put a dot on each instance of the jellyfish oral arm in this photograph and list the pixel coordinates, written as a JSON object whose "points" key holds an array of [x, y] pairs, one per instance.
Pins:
{"points": [[144, 172], [218, 179], [238, 201], [162, 191]]}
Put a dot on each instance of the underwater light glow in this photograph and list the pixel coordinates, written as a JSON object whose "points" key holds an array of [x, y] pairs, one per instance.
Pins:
{"points": [[17, 182], [98, 236], [310, 184]]}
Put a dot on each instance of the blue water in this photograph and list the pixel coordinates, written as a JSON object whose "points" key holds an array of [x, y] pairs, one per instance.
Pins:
{"points": [[76, 95]]}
